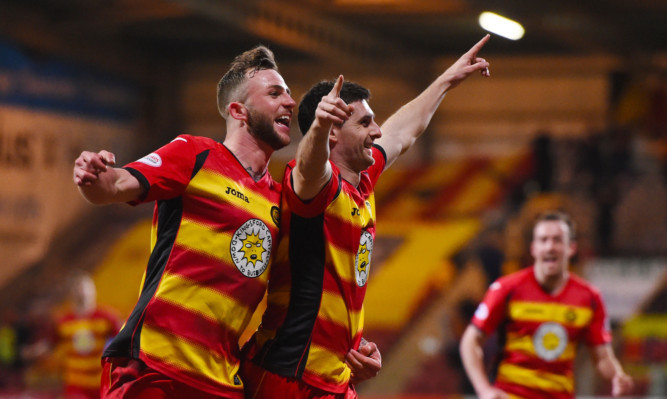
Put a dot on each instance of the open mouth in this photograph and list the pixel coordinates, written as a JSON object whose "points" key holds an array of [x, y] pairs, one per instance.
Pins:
{"points": [[283, 120]]}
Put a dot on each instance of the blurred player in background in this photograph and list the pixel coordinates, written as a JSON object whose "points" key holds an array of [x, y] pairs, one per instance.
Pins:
{"points": [[542, 314], [311, 332], [82, 334]]}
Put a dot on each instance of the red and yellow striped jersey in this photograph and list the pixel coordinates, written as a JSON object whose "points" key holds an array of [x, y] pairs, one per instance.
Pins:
{"points": [[82, 338], [214, 231], [317, 285], [540, 332]]}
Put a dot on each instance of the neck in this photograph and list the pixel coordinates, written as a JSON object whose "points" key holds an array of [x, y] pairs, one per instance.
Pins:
{"points": [[253, 154], [349, 174], [551, 284], [83, 309]]}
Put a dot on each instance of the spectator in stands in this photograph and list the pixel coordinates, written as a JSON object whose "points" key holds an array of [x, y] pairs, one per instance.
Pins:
{"points": [[314, 316], [543, 313]]}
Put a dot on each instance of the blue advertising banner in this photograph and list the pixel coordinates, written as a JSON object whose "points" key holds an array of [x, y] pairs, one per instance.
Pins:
{"points": [[54, 85]]}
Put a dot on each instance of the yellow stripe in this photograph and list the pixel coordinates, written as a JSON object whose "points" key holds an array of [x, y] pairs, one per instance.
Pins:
{"points": [[203, 239], [540, 380], [218, 187], [344, 262], [201, 360], [326, 363], [98, 326], [518, 343], [333, 309], [342, 206], [567, 315], [204, 301], [84, 363]]}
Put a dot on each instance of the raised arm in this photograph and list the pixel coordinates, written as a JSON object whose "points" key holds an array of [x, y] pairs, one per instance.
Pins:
{"points": [[610, 368], [401, 130], [472, 356], [100, 183], [313, 171]]}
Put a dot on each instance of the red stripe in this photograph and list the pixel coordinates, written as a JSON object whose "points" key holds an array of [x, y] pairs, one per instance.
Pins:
{"points": [[350, 291], [198, 381], [217, 275], [563, 367], [210, 211], [528, 393], [333, 336], [194, 328]]}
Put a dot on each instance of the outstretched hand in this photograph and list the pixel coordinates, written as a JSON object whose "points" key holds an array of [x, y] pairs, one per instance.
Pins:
{"points": [[89, 165], [332, 110], [468, 64], [621, 384]]}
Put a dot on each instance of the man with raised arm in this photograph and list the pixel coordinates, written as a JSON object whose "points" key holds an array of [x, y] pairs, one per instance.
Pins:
{"points": [[311, 332]]}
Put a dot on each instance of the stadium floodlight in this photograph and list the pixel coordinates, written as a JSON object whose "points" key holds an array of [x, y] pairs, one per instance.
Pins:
{"points": [[501, 26]]}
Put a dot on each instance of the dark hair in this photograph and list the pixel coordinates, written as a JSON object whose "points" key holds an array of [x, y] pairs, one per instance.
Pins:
{"points": [[558, 216], [251, 61], [350, 92]]}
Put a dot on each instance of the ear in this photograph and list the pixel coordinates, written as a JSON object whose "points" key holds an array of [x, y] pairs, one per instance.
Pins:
{"points": [[333, 136], [572, 249], [238, 111]]}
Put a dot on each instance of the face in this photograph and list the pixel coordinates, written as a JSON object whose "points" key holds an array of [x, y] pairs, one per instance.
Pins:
{"points": [[354, 139], [270, 107], [84, 294], [552, 248]]}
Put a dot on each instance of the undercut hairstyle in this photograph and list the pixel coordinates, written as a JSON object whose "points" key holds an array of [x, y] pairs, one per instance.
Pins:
{"points": [[558, 216], [350, 92], [230, 86]]}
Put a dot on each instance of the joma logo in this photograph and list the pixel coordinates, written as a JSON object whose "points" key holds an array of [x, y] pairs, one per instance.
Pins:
{"points": [[237, 194]]}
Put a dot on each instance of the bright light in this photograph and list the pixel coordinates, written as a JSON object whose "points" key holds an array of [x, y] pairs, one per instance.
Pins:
{"points": [[501, 26]]}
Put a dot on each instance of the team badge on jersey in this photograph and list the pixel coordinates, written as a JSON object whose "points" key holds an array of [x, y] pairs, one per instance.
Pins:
{"points": [[550, 341], [251, 248], [83, 341], [362, 261]]}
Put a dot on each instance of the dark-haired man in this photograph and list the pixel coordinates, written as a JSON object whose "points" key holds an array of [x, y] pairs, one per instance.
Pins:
{"points": [[543, 312], [310, 339]]}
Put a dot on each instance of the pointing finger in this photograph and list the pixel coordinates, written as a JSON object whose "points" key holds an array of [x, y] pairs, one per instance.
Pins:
{"points": [[478, 46], [337, 86]]}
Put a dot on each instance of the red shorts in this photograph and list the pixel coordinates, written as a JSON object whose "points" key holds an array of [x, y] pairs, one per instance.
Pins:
{"points": [[129, 378], [74, 392], [262, 384]]}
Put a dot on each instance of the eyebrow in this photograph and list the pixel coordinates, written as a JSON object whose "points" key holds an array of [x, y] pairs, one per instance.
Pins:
{"points": [[282, 88]]}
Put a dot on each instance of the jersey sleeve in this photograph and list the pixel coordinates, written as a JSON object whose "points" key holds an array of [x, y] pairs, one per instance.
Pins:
{"points": [[599, 331], [375, 170], [492, 310], [165, 173], [313, 206]]}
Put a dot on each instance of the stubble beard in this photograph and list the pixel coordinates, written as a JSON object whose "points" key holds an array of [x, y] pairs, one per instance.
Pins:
{"points": [[262, 128]]}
